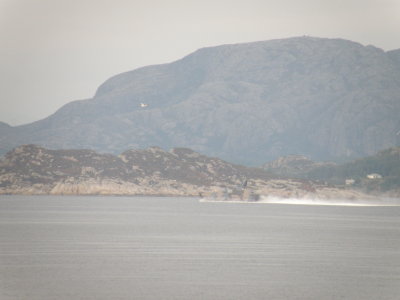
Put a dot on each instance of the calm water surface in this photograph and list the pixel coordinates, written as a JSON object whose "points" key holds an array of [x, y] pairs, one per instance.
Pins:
{"points": [[169, 248]]}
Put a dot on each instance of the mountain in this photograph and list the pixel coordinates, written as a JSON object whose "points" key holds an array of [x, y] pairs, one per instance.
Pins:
{"points": [[294, 166], [4, 127], [327, 99], [395, 56], [31, 169]]}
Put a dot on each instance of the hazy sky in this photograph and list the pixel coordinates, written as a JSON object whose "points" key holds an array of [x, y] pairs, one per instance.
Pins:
{"points": [[56, 51]]}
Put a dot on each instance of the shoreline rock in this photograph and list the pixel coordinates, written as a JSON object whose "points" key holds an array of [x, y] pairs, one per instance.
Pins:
{"points": [[33, 170]]}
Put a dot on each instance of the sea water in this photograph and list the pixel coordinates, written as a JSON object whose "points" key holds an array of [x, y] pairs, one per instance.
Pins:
{"points": [[181, 248]]}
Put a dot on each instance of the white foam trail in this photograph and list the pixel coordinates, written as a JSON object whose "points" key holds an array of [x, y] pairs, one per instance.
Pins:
{"points": [[332, 202], [308, 201]]}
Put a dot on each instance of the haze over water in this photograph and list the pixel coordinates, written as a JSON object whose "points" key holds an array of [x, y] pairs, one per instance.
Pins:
{"points": [[180, 248]]}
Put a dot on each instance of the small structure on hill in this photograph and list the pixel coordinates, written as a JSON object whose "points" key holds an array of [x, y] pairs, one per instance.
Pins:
{"points": [[374, 176]]}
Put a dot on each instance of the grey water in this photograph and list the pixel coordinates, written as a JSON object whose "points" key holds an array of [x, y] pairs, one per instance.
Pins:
{"points": [[180, 248]]}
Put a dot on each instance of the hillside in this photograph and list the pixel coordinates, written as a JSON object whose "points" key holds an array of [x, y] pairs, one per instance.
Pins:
{"points": [[33, 169], [385, 163], [30, 169], [295, 166], [327, 99]]}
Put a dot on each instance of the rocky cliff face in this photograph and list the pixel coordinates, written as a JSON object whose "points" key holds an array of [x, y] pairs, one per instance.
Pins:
{"points": [[31, 169], [249, 103]]}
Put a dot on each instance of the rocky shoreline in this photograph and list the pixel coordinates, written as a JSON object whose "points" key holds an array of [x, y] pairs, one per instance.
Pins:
{"points": [[271, 188], [33, 170]]}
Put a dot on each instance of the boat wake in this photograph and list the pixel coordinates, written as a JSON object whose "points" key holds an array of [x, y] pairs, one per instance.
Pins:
{"points": [[308, 201], [333, 202]]}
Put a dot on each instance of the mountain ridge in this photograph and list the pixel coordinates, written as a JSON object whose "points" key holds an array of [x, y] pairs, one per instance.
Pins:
{"points": [[328, 99]]}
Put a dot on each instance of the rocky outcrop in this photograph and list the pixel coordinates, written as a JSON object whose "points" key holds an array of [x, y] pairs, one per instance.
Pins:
{"points": [[31, 169], [249, 103]]}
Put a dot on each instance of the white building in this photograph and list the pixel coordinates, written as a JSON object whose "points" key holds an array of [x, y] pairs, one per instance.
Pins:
{"points": [[374, 176]]}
